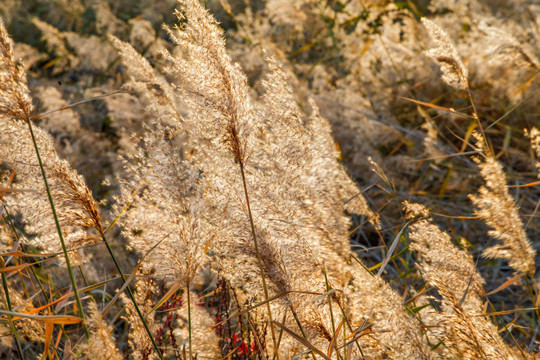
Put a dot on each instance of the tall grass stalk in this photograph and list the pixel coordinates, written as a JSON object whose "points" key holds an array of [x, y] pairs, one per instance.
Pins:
{"points": [[257, 252], [59, 231]]}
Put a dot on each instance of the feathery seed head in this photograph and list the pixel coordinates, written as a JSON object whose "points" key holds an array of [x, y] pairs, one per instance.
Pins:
{"points": [[454, 73], [15, 98], [497, 208], [534, 136]]}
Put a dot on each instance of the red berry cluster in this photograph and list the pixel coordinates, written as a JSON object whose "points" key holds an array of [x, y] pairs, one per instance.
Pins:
{"points": [[242, 347]]}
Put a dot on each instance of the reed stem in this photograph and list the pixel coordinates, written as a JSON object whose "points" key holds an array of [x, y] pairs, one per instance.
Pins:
{"points": [[59, 231]]}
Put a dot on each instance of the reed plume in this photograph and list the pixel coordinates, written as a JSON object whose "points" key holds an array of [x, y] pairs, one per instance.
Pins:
{"points": [[460, 323], [15, 101], [496, 207], [454, 73], [77, 208]]}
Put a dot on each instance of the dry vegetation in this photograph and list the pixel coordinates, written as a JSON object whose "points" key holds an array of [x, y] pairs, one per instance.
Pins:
{"points": [[279, 179]]}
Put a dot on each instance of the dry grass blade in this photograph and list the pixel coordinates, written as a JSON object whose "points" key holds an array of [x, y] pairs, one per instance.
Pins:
{"points": [[526, 84], [166, 297], [17, 268], [357, 335], [320, 297], [530, 96], [227, 356], [506, 284], [301, 340], [393, 247], [506, 312], [534, 183], [453, 217], [52, 319], [333, 342], [124, 208], [69, 294], [23, 254], [433, 106], [48, 336], [79, 103], [132, 276], [468, 287]]}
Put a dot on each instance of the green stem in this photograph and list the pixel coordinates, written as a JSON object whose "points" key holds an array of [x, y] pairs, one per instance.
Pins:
{"points": [[11, 324], [300, 327], [82, 275], [59, 230], [156, 348], [486, 145], [342, 308], [329, 298]]}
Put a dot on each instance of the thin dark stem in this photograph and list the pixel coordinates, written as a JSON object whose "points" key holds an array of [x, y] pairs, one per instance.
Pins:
{"points": [[156, 348], [11, 324], [486, 145], [59, 231], [259, 260], [329, 298], [301, 328], [531, 293], [82, 275]]}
